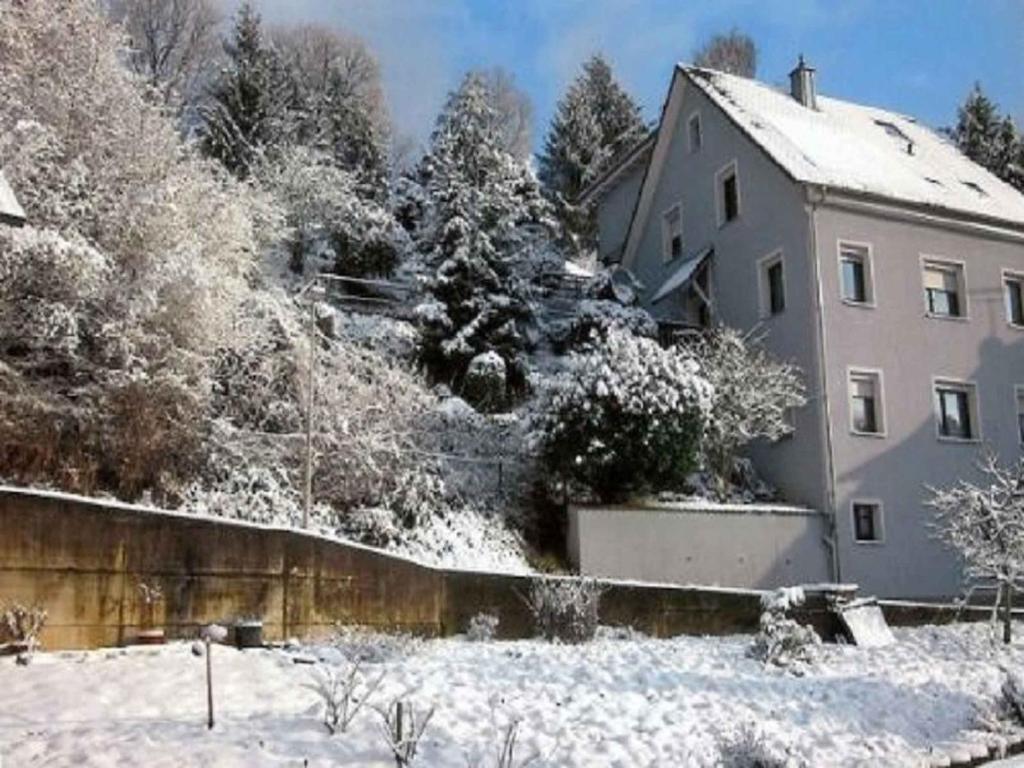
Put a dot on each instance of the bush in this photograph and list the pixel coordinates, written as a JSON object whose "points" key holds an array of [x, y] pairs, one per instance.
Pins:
{"points": [[627, 417], [565, 609], [781, 640], [748, 749], [20, 628], [485, 383], [482, 627]]}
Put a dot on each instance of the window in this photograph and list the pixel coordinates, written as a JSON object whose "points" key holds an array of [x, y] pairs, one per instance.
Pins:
{"points": [[672, 233], [944, 289], [772, 284], [1014, 289], [867, 521], [956, 410], [1020, 414], [855, 283], [866, 416], [696, 136], [728, 194]]}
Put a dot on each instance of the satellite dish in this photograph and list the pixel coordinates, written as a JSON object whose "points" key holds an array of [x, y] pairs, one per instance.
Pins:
{"points": [[624, 286]]}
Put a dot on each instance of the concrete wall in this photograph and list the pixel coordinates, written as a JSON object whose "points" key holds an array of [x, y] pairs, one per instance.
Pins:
{"points": [[728, 545], [896, 337]]}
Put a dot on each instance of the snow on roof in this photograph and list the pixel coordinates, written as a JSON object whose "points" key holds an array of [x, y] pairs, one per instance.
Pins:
{"points": [[682, 275], [9, 206], [860, 149]]}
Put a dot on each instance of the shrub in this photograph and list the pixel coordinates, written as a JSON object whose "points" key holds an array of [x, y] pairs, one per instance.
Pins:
{"points": [[482, 627], [20, 628], [749, 749], [781, 640], [343, 692], [565, 609], [627, 417]]}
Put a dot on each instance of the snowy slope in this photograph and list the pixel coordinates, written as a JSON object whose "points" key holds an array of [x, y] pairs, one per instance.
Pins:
{"points": [[613, 702]]}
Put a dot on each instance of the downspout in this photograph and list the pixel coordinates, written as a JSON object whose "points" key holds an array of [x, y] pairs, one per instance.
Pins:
{"points": [[815, 198]]}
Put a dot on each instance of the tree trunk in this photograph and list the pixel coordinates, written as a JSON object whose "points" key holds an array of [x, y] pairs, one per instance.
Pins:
{"points": [[1007, 612]]}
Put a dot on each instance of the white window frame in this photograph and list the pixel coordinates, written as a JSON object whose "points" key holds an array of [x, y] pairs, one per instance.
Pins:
{"points": [[960, 268], [879, 521], [694, 118], [973, 406], [867, 254], [1018, 395], [732, 167], [1011, 275], [666, 233], [764, 298], [881, 417]]}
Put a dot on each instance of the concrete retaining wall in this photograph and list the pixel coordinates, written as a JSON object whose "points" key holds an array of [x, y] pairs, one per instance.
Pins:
{"points": [[759, 547], [84, 560]]}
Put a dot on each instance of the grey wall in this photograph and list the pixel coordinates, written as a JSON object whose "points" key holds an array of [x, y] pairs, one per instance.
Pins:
{"points": [[910, 348], [772, 217], [615, 210], [748, 546]]}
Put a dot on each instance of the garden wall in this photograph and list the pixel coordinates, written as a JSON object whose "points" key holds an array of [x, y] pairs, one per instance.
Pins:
{"points": [[85, 561], [737, 545]]}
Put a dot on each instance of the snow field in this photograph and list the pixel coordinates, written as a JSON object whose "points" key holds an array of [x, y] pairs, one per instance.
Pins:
{"points": [[612, 703]]}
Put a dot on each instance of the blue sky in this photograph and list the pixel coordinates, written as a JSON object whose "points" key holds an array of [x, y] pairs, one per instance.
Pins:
{"points": [[919, 57]]}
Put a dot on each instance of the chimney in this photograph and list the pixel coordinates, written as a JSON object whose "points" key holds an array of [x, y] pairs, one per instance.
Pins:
{"points": [[801, 84]]}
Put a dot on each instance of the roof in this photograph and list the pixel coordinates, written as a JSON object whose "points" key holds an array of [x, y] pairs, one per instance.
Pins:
{"points": [[682, 275], [860, 149], [10, 210], [628, 160]]}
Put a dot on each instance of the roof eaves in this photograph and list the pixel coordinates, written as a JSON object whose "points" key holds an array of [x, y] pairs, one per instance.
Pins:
{"points": [[626, 161]]}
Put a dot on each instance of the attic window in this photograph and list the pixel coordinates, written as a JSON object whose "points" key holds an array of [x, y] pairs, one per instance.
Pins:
{"points": [[975, 188]]}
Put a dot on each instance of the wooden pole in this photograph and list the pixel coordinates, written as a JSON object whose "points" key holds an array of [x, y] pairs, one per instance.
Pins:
{"points": [[307, 491], [209, 684]]}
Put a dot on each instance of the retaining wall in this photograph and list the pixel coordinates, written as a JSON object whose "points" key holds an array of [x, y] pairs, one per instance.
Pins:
{"points": [[84, 561]]}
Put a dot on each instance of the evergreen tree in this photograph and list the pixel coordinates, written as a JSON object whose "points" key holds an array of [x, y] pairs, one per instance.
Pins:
{"points": [[989, 139], [249, 101], [481, 222], [596, 121]]}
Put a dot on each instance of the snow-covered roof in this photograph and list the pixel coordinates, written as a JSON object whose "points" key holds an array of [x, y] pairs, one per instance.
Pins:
{"points": [[10, 209], [860, 149], [682, 275]]}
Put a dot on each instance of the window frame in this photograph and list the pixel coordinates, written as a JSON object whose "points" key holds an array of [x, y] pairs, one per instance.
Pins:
{"points": [[973, 408], [867, 259], [959, 268], [878, 521], [694, 118], [666, 234], [764, 297], [730, 168], [1013, 276], [881, 417]]}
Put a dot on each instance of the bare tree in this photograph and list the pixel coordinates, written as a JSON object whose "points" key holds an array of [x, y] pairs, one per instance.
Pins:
{"points": [[514, 112], [173, 43], [735, 53], [984, 524]]}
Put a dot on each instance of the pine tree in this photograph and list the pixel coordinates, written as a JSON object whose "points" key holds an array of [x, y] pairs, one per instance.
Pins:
{"points": [[595, 123], [249, 101], [989, 139], [484, 220]]}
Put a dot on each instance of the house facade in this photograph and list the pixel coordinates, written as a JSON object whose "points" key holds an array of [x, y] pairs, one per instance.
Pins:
{"points": [[868, 251]]}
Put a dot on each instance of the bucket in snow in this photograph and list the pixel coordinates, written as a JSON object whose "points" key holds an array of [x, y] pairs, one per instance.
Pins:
{"points": [[249, 634]]}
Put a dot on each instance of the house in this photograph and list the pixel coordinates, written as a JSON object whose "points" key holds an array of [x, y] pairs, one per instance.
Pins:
{"points": [[11, 212], [868, 251]]}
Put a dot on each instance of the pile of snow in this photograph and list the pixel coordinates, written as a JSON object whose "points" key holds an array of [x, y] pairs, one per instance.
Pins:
{"points": [[621, 700]]}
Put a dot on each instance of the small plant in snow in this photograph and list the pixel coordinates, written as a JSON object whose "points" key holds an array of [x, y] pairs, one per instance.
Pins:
{"points": [[403, 729], [984, 524], [781, 640], [343, 692], [749, 749], [363, 645], [482, 627], [20, 629], [565, 609], [504, 740]]}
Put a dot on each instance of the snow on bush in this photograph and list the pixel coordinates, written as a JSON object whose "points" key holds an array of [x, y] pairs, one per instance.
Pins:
{"points": [[781, 640], [627, 417], [565, 609], [482, 628], [343, 691], [364, 645], [750, 749], [20, 627], [596, 317]]}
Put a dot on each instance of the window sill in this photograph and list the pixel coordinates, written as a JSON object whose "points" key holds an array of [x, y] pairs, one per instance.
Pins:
{"points": [[949, 318], [858, 304], [870, 542], [1015, 326], [875, 435], [959, 440]]}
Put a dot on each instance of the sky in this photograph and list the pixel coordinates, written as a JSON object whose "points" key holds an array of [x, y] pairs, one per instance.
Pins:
{"points": [[917, 57]]}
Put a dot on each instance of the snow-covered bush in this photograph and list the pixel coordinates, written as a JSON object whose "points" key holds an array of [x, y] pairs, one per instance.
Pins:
{"points": [[595, 317], [403, 727], [627, 417], [482, 627], [365, 645], [486, 381], [20, 628], [343, 691], [749, 749], [565, 609], [781, 640], [754, 395]]}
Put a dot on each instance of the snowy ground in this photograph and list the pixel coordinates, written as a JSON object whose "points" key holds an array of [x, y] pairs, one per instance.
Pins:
{"points": [[613, 702]]}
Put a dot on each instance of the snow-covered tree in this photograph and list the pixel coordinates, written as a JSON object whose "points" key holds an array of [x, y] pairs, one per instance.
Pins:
{"points": [[478, 215], [734, 53], [626, 418], [984, 524], [513, 112], [989, 139], [595, 122], [247, 112], [754, 397]]}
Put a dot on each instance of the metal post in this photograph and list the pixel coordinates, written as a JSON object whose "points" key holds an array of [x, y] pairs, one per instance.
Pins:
{"points": [[307, 491], [209, 684]]}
